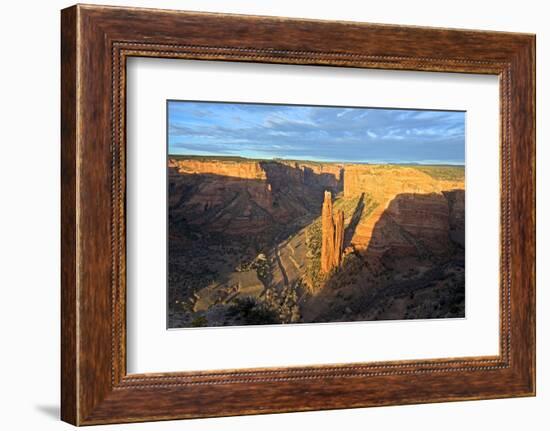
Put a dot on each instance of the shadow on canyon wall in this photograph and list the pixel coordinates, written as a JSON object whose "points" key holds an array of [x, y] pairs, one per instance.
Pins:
{"points": [[412, 267], [282, 175], [217, 223], [228, 203], [355, 219]]}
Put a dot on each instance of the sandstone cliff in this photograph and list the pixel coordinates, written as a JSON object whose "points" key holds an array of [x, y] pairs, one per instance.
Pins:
{"points": [[416, 202], [243, 169], [404, 246], [332, 245], [241, 196], [273, 232], [330, 175], [338, 239]]}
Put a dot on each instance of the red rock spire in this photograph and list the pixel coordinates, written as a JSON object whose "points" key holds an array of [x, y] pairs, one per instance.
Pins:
{"points": [[332, 242], [338, 238]]}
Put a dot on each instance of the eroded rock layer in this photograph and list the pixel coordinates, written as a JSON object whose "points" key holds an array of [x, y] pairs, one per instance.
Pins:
{"points": [[414, 200], [332, 231], [245, 196], [257, 241]]}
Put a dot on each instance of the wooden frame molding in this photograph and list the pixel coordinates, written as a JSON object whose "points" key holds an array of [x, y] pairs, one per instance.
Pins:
{"points": [[95, 43]]}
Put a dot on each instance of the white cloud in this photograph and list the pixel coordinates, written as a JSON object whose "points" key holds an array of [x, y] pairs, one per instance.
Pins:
{"points": [[344, 112]]}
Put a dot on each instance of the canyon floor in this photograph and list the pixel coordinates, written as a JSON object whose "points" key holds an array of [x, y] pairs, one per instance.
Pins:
{"points": [[245, 242]]}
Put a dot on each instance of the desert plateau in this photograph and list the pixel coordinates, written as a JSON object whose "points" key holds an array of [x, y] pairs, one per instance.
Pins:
{"points": [[279, 241]]}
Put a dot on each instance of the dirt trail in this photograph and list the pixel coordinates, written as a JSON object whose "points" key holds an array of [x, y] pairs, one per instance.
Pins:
{"points": [[287, 257]]}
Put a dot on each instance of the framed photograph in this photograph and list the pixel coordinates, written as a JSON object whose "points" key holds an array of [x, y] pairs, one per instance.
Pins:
{"points": [[264, 215]]}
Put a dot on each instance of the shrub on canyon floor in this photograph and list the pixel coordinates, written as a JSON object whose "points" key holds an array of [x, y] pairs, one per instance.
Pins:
{"points": [[249, 311]]}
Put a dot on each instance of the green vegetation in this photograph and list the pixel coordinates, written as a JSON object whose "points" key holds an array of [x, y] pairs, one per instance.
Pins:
{"points": [[249, 311], [443, 172], [199, 322], [238, 159], [235, 159], [313, 256], [314, 233], [284, 302], [308, 162], [349, 205]]}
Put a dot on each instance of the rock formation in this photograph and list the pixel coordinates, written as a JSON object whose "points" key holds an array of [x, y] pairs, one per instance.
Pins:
{"points": [[242, 169], [240, 196], [332, 243], [409, 200], [327, 232], [404, 233], [338, 238], [329, 175]]}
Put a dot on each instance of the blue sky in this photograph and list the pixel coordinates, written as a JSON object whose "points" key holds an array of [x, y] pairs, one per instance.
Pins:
{"points": [[316, 133]]}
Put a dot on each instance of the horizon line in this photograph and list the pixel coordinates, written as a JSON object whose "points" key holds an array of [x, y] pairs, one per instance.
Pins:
{"points": [[298, 159]]}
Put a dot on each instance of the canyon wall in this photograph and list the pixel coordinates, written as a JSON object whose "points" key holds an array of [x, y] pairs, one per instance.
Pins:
{"points": [[412, 224], [240, 196], [411, 205], [456, 200], [243, 169], [329, 175], [386, 181], [332, 235]]}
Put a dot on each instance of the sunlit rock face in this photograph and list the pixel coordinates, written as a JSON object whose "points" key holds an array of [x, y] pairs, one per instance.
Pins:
{"points": [[332, 245], [245, 169], [292, 241], [246, 196], [414, 201]]}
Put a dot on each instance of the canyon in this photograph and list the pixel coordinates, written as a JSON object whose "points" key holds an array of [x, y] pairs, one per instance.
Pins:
{"points": [[283, 241]]}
